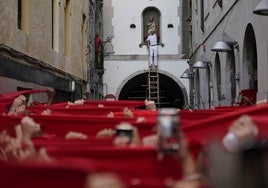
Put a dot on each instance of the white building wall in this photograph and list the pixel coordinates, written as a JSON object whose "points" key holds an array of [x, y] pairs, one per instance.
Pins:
{"points": [[127, 40], [129, 59], [120, 72]]}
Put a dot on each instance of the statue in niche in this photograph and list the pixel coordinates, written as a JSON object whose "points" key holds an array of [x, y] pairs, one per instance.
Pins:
{"points": [[151, 23], [151, 26]]}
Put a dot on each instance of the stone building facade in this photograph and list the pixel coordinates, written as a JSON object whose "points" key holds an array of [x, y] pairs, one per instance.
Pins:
{"points": [[243, 66], [46, 44], [126, 68]]}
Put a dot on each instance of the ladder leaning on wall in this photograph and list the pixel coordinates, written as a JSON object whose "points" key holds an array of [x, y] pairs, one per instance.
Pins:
{"points": [[153, 86]]}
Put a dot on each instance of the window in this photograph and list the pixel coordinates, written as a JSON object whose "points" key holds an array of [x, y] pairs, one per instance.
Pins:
{"points": [[84, 43], [55, 25], [230, 75], [218, 76], [67, 49], [23, 16], [19, 14], [52, 16], [202, 18], [170, 25]]}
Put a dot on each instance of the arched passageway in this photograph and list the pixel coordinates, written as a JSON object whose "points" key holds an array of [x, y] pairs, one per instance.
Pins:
{"points": [[250, 70], [230, 76], [171, 94]]}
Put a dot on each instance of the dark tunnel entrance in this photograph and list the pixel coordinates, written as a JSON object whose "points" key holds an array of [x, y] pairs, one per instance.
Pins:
{"points": [[171, 94]]}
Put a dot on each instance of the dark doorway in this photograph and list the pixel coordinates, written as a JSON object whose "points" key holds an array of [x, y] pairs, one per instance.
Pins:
{"points": [[171, 94]]}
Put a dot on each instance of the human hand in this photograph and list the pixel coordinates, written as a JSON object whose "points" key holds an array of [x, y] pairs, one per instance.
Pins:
{"points": [[244, 127], [18, 106], [29, 127], [104, 133], [241, 134], [110, 115], [127, 113], [72, 135], [46, 112], [126, 135], [51, 95], [183, 152], [121, 141], [150, 140], [150, 105]]}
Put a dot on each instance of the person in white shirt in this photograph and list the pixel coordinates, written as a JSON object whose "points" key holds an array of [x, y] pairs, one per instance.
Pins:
{"points": [[152, 46]]}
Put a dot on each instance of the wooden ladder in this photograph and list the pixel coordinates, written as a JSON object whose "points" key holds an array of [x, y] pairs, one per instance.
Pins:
{"points": [[153, 86]]}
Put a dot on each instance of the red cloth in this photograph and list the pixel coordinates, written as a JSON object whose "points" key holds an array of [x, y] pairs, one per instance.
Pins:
{"points": [[250, 94], [42, 175], [88, 108], [215, 127], [6, 99], [138, 164]]}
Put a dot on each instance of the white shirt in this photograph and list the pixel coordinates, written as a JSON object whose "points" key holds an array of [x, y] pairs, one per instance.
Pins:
{"points": [[152, 39]]}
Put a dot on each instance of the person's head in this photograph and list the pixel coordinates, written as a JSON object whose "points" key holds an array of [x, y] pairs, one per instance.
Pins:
{"points": [[123, 135], [177, 103], [96, 34], [241, 134]]}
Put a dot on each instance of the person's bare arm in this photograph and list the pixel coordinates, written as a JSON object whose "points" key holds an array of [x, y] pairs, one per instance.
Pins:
{"points": [[51, 96]]}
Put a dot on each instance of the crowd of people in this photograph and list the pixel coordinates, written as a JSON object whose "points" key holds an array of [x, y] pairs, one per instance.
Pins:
{"points": [[116, 143]]}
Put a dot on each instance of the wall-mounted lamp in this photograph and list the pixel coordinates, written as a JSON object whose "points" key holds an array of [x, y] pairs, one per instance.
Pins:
{"points": [[225, 45], [132, 26], [201, 64], [187, 74], [262, 8], [221, 46]]}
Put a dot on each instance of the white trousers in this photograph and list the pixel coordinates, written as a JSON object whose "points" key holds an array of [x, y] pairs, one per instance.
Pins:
{"points": [[153, 55]]}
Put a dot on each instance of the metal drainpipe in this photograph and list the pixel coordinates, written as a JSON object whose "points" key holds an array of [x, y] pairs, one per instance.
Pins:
{"points": [[91, 46]]}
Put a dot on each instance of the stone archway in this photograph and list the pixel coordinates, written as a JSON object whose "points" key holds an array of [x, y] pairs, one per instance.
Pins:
{"points": [[197, 91], [218, 76], [172, 92], [230, 77], [249, 67]]}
